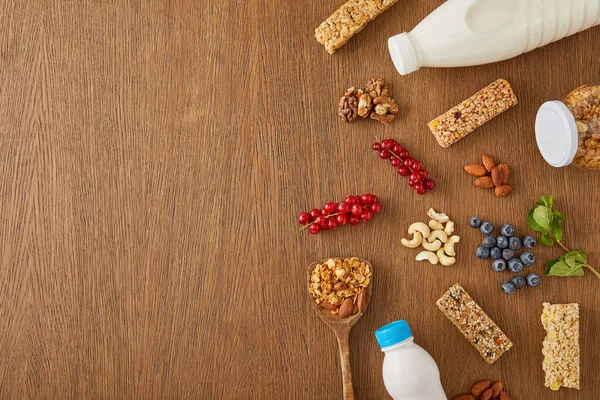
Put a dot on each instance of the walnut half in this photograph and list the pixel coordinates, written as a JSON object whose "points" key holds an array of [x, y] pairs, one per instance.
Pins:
{"points": [[385, 109]]}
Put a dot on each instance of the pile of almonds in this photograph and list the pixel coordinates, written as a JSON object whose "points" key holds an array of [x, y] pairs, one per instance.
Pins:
{"points": [[484, 390], [490, 176]]}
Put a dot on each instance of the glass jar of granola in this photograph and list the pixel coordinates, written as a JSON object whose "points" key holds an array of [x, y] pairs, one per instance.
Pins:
{"points": [[568, 131]]}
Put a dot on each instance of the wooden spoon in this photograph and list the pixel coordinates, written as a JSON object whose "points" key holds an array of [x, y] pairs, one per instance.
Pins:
{"points": [[341, 327]]}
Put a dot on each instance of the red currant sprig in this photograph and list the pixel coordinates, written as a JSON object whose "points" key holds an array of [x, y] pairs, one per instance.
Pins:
{"points": [[353, 209], [400, 158]]}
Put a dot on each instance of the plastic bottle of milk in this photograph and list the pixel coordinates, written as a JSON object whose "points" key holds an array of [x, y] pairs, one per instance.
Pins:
{"points": [[472, 32], [409, 372]]}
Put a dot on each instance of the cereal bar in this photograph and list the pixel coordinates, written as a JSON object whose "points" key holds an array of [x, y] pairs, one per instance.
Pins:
{"points": [[469, 115], [561, 345], [348, 20], [473, 323]]}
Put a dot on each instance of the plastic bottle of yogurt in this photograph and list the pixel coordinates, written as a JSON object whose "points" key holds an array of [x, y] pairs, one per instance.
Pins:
{"points": [[473, 32], [409, 372]]}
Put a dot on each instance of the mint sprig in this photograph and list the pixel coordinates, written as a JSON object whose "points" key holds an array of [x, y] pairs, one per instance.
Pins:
{"points": [[547, 221]]}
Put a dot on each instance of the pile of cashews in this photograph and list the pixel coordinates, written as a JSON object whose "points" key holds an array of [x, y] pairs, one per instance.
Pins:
{"points": [[435, 237]]}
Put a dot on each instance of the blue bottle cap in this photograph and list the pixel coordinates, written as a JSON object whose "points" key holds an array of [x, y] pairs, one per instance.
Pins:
{"points": [[393, 333]]}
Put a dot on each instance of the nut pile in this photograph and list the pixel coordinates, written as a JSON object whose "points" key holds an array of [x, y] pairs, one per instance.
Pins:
{"points": [[435, 237], [373, 101], [341, 285], [502, 250], [490, 176], [485, 390]]}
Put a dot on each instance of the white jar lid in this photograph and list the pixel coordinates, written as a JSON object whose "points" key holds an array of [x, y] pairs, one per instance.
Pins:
{"points": [[556, 133]]}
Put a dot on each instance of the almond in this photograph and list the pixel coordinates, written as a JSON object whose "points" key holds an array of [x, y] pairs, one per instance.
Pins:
{"points": [[340, 286], [503, 190], [328, 305], [488, 162], [476, 170], [497, 176], [480, 387], [466, 396], [487, 395], [361, 302], [485, 182], [496, 389], [505, 173], [346, 308], [504, 396]]}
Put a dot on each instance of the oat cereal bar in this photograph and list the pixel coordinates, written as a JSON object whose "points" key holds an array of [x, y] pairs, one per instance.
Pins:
{"points": [[561, 345], [469, 115], [474, 324], [348, 20]]}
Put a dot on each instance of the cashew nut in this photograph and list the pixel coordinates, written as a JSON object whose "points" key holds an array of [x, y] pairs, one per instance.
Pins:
{"points": [[434, 246], [436, 225], [449, 246], [440, 217], [419, 227], [438, 235], [427, 255], [444, 259], [449, 228], [414, 242]]}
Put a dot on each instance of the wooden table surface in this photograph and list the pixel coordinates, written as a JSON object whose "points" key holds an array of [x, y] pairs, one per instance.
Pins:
{"points": [[155, 156]]}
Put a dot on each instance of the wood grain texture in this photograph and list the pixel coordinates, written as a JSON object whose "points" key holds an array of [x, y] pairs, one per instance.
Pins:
{"points": [[155, 155]]}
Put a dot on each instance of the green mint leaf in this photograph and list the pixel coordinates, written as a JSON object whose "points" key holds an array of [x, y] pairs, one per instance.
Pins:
{"points": [[546, 240], [547, 201], [549, 265], [542, 216], [561, 268], [556, 229], [558, 216], [534, 225], [575, 258]]}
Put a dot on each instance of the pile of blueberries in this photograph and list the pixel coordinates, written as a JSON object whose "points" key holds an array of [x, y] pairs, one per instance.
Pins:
{"points": [[502, 250]]}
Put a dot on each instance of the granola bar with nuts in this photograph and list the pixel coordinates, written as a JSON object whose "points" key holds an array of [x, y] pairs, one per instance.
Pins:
{"points": [[469, 115], [561, 345], [336, 280], [348, 20], [474, 323]]}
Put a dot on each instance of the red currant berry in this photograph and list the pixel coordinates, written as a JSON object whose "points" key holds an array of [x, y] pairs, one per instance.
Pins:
{"points": [[392, 142], [331, 224], [343, 208], [314, 213], [395, 161], [356, 209], [403, 170], [375, 208], [314, 229], [419, 188], [416, 166], [386, 144], [409, 162], [366, 216], [374, 199], [404, 154], [376, 146], [415, 177], [429, 184], [341, 219], [366, 199], [397, 149], [350, 200], [304, 218], [354, 220], [384, 154], [423, 173], [411, 183], [357, 200], [329, 208], [321, 220]]}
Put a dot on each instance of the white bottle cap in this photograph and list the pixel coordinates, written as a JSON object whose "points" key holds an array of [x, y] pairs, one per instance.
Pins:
{"points": [[556, 133], [403, 53]]}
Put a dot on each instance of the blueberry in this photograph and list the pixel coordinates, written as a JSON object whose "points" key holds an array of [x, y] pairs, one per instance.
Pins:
{"points": [[502, 242], [527, 257], [507, 230], [515, 265], [483, 253], [489, 242], [475, 222], [487, 228], [508, 287], [495, 253], [529, 242], [499, 265], [519, 281], [507, 254], [514, 243], [533, 280]]}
